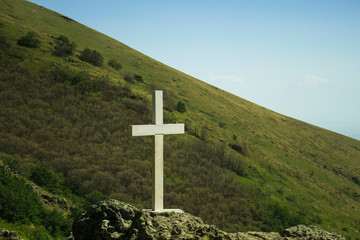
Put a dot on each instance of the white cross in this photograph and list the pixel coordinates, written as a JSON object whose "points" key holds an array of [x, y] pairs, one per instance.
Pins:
{"points": [[158, 130]]}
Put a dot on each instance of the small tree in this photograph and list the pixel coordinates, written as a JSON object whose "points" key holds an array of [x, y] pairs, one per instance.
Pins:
{"points": [[92, 56], [138, 78], [64, 47], [180, 107], [29, 40]]}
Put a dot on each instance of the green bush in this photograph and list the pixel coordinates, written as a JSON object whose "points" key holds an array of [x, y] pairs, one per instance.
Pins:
{"points": [[3, 43], [47, 179], [18, 202], [95, 197], [114, 64], [277, 218], [29, 40], [138, 78], [10, 161], [64, 47], [92, 56], [180, 107], [55, 222]]}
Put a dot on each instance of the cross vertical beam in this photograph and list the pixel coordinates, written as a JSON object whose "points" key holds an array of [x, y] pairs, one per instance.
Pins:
{"points": [[158, 130], [158, 160]]}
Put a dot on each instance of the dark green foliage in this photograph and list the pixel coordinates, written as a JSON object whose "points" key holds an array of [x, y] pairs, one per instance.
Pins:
{"points": [[277, 218], [47, 179], [356, 180], [55, 223], [180, 107], [3, 43], [10, 161], [92, 56], [95, 196], [243, 150], [138, 78], [29, 40], [64, 47], [114, 64], [18, 203]]}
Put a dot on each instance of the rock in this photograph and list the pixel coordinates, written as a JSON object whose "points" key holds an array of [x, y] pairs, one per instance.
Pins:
{"points": [[50, 199], [8, 235], [310, 232], [112, 219]]}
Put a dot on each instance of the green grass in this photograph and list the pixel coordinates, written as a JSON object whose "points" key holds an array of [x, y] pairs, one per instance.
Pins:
{"points": [[296, 164]]}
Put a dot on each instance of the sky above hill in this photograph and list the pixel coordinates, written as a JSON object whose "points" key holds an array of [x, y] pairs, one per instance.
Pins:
{"points": [[298, 58]]}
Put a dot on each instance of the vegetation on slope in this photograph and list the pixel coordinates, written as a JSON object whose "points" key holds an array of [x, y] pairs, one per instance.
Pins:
{"points": [[239, 166]]}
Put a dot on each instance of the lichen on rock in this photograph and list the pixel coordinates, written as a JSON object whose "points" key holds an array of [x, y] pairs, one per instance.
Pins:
{"points": [[112, 219]]}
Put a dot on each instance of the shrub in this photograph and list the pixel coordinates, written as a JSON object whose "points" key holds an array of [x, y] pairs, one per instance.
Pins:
{"points": [[29, 40], [138, 78], [276, 217], [46, 178], [10, 161], [114, 64], [18, 202], [95, 197], [180, 107], [3, 43], [241, 148], [55, 222], [92, 56], [64, 47]]}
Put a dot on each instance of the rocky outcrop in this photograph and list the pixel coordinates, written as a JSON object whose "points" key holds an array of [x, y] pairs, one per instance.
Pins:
{"points": [[113, 219], [8, 235], [49, 199], [309, 232]]}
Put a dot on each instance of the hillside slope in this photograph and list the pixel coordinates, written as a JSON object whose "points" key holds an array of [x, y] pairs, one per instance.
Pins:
{"points": [[239, 165]]}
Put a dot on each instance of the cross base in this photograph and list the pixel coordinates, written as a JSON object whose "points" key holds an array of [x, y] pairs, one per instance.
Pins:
{"points": [[164, 211]]}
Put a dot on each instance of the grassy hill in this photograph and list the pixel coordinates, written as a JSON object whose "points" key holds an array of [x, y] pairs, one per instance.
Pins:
{"points": [[239, 165]]}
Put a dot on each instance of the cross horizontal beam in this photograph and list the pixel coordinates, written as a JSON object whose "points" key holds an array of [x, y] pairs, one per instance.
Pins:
{"points": [[151, 130]]}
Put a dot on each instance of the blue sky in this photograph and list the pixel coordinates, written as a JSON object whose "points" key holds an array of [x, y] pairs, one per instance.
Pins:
{"points": [[298, 58]]}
